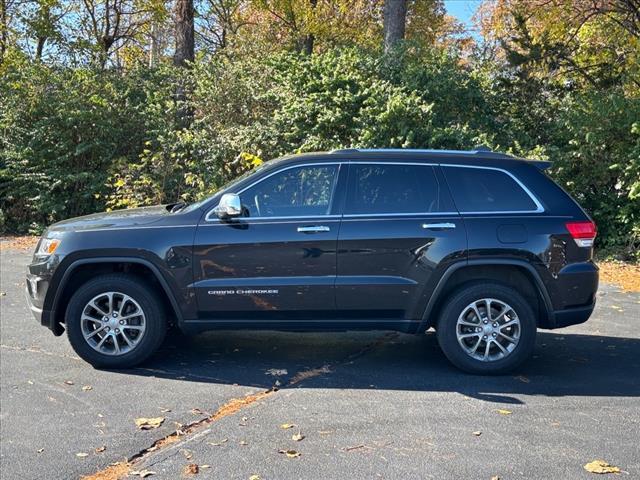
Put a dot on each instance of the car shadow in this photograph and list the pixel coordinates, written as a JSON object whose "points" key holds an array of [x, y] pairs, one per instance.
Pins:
{"points": [[564, 364]]}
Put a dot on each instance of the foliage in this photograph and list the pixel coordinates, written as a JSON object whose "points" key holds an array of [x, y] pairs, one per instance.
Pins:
{"points": [[75, 139]]}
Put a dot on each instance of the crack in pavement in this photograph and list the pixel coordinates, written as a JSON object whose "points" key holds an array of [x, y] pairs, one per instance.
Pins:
{"points": [[192, 431]]}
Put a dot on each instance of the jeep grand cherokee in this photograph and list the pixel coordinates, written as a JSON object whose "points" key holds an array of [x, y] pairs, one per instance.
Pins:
{"points": [[483, 247]]}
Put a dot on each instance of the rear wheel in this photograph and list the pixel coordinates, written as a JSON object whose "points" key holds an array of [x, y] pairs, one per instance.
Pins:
{"points": [[115, 321], [487, 329]]}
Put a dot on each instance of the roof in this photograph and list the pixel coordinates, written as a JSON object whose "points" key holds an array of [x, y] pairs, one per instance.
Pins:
{"points": [[480, 155]]}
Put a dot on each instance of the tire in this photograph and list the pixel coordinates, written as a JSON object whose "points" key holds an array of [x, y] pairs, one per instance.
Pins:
{"points": [[140, 320], [458, 317]]}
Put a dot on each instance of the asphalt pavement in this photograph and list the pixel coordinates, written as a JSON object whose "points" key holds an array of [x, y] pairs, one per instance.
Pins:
{"points": [[360, 405]]}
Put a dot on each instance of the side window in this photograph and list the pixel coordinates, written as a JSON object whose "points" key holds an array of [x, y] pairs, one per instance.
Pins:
{"points": [[298, 191], [388, 188], [484, 190]]}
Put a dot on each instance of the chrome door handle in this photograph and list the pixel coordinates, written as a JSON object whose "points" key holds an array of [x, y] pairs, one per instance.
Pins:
{"points": [[314, 229], [438, 226]]}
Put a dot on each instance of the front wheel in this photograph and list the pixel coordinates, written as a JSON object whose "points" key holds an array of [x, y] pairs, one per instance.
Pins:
{"points": [[487, 329], [115, 321]]}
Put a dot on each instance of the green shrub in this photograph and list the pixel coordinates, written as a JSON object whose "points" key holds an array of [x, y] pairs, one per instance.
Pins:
{"points": [[77, 140]]}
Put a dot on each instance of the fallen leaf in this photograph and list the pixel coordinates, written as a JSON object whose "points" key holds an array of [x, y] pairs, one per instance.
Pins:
{"points": [[217, 444], [40, 450], [165, 410], [255, 477], [285, 426], [142, 473], [290, 453], [495, 477], [477, 433], [82, 454], [600, 466], [504, 412], [197, 411], [30, 382], [205, 466], [69, 382], [187, 454], [86, 388], [101, 449], [191, 469], [276, 372], [149, 423], [297, 437], [522, 378], [243, 443]]}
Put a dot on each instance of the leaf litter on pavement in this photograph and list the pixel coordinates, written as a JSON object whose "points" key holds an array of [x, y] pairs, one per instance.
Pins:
{"points": [[601, 467], [148, 423]]}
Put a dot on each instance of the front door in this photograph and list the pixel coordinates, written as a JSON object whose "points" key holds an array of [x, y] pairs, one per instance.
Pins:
{"points": [[277, 261], [400, 230]]}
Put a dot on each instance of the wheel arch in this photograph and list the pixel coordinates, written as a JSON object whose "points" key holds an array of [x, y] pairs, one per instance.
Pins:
{"points": [[82, 270], [512, 273]]}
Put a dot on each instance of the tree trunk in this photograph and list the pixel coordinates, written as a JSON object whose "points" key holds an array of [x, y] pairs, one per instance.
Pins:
{"points": [[3, 29], [395, 17], [40, 47], [307, 45], [154, 48], [309, 39], [185, 46]]}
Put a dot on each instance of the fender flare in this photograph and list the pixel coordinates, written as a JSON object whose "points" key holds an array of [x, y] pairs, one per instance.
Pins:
{"points": [[426, 322], [92, 260]]}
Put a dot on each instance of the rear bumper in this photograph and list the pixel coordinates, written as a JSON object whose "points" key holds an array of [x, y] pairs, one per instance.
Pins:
{"points": [[573, 295]]}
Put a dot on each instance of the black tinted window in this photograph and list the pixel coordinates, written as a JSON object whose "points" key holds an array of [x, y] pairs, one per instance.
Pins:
{"points": [[385, 188], [301, 191], [482, 190]]}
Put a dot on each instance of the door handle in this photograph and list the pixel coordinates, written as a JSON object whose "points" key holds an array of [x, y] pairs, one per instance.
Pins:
{"points": [[314, 229], [438, 226]]}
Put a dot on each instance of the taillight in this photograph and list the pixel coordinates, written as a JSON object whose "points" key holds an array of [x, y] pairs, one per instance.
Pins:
{"points": [[582, 232]]}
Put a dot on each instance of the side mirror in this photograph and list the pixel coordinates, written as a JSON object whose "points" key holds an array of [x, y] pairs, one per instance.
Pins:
{"points": [[229, 206]]}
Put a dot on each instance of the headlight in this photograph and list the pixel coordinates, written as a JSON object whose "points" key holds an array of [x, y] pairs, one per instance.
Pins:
{"points": [[47, 246]]}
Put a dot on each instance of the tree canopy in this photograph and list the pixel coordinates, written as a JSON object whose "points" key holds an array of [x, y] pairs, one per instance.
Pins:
{"points": [[96, 112]]}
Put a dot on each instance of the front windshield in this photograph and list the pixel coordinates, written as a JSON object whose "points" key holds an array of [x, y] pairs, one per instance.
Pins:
{"points": [[226, 186]]}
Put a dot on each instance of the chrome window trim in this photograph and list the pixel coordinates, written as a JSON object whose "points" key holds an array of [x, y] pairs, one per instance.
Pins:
{"points": [[539, 207], [280, 170], [400, 215], [273, 220]]}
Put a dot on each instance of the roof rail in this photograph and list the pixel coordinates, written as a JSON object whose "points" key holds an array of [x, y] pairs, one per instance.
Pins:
{"points": [[478, 151]]}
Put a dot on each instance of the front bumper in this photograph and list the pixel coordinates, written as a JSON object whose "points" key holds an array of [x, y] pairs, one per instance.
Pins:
{"points": [[38, 279]]}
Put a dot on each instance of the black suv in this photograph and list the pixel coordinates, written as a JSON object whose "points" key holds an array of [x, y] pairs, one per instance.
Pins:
{"points": [[480, 246]]}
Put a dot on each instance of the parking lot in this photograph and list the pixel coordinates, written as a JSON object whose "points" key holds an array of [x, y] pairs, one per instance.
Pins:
{"points": [[370, 405]]}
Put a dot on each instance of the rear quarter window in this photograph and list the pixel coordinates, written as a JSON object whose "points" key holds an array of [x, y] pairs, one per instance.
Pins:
{"points": [[487, 190]]}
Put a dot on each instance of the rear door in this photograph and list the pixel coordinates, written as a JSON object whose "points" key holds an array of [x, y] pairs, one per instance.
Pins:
{"points": [[399, 232], [278, 261]]}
